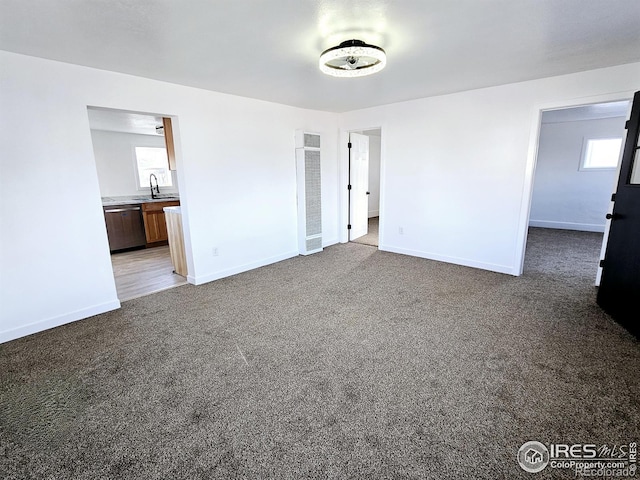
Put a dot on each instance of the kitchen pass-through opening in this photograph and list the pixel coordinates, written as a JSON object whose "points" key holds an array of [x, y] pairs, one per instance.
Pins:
{"points": [[135, 161]]}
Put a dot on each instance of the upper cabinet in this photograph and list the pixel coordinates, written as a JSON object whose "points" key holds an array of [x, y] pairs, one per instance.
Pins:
{"points": [[168, 140]]}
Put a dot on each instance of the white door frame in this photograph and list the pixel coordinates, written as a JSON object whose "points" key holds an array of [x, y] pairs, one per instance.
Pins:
{"points": [[343, 181], [532, 159]]}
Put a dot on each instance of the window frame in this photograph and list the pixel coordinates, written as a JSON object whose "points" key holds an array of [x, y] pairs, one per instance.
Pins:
{"points": [[585, 150], [136, 170]]}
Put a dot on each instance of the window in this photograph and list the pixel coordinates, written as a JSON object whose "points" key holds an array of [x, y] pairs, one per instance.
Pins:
{"points": [[600, 153], [153, 160]]}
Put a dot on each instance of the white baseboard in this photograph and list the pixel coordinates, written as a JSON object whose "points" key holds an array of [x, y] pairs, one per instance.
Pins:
{"points": [[42, 325], [328, 243], [199, 280], [509, 270], [582, 227], [374, 213]]}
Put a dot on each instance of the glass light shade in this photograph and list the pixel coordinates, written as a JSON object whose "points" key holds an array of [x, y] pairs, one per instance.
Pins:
{"points": [[352, 58]]}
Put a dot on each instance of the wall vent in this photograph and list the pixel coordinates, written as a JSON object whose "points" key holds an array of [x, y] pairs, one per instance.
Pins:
{"points": [[308, 171], [307, 140]]}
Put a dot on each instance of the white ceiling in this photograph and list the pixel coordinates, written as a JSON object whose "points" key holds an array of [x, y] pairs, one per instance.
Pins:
{"points": [[269, 49], [123, 121], [587, 112]]}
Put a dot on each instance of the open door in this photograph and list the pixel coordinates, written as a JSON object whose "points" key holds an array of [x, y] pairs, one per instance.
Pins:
{"points": [[620, 283], [358, 185]]}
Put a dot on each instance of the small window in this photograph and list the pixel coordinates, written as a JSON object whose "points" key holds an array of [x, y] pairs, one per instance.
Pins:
{"points": [[600, 153], [153, 160], [635, 167]]}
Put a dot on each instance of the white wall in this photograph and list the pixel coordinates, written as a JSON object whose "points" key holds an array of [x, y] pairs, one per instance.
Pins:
{"points": [[563, 195], [115, 161], [236, 169], [457, 169], [456, 176]]}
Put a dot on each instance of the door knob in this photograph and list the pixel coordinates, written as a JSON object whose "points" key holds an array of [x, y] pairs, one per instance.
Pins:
{"points": [[368, 193], [610, 216]]}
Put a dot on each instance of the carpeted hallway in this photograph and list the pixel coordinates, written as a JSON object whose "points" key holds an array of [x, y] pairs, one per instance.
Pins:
{"points": [[352, 363], [371, 238]]}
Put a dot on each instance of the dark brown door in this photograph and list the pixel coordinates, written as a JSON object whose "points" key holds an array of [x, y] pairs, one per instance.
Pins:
{"points": [[619, 288]]}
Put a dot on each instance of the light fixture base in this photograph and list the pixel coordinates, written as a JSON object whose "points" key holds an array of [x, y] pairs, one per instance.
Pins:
{"points": [[352, 58]]}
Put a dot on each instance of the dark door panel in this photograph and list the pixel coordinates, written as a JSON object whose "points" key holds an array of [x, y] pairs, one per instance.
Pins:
{"points": [[619, 290]]}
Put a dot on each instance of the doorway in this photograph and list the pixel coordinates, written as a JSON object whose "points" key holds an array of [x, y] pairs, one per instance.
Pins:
{"points": [[364, 194], [144, 271], [135, 162], [578, 155]]}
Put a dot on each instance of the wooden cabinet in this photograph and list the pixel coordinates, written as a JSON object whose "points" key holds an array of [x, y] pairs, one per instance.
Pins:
{"points": [[124, 227], [173, 216], [155, 225], [168, 140]]}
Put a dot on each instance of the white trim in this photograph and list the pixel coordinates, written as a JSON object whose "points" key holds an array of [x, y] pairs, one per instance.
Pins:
{"points": [[582, 227], [527, 191], [199, 280], [70, 317], [374, 213], [328, 243], [493, 267], [604, 117], [383, 183], [343, 179]]}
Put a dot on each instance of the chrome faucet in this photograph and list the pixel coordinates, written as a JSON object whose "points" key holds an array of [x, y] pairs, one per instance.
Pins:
{"points": [[157, 188]]}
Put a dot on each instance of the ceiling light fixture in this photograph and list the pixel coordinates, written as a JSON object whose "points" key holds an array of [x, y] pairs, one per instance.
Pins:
{"points": [[352, 58]]}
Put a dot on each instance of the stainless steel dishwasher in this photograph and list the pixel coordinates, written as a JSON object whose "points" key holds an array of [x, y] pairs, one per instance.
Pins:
{"points": [[125, 227]]}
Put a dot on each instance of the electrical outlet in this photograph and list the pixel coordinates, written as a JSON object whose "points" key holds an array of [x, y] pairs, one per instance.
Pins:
{"points": [[214, 251]]}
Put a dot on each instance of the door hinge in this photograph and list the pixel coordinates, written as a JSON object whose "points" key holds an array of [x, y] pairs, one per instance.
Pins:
{"points": [[348, 187], [349, 145], [348, 227], [613, 197], [626, 124], [601, 264]]}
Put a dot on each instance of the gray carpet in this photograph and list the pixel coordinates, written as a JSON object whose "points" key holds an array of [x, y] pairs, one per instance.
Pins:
{"points": [[347, 364]]}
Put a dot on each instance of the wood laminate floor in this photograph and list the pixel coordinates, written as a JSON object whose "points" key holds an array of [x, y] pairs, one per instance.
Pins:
{"points": [[141, 272]]}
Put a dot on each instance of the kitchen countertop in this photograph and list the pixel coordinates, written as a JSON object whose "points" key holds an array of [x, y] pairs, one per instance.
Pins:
{"points": [[135, 199]]}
